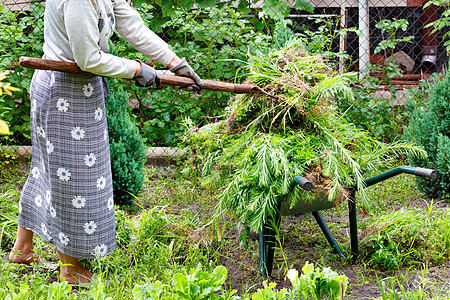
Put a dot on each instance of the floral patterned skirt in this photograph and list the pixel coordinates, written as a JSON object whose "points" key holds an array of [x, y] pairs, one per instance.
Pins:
{"points": [[68, 196]]}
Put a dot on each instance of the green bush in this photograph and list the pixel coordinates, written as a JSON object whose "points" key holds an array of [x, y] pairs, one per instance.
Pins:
{"points": [[126, 147], [214, 40], [429, 127], [21, 34]]}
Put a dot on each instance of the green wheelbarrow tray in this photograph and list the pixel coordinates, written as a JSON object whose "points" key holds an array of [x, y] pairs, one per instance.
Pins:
{"points": [[321, 202]]}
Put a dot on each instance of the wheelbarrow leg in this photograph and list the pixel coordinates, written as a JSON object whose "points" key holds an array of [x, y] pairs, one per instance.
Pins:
{"points": [[353, 224], [326, 231], [266, 247], [266, 251]]}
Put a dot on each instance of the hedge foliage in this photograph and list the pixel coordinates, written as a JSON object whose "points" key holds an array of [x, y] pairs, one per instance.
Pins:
{"points": [[429, 127]]}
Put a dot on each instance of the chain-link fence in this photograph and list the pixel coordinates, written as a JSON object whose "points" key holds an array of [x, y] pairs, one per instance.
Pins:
{"points": [[215, 37]]}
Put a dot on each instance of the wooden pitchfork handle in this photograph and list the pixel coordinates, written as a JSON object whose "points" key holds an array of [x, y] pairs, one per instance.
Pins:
{"points": [[171, 80]]}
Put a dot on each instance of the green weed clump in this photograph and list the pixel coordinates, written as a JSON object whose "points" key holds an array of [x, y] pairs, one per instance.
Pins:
{"points": [[406, 238], [263, 142], [430, 127]]}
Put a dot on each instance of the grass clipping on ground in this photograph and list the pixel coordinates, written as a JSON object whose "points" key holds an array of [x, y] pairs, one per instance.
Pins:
{"points": [[261, 143]]}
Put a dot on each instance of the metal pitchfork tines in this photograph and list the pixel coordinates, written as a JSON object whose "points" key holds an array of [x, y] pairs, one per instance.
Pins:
{"points": [[170, 80]]}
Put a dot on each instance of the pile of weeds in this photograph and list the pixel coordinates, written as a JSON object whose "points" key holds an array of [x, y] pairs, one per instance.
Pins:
{"points": [[262, 142]]}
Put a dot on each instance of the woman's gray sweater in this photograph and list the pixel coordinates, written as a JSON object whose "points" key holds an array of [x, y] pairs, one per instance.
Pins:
{"points": [[79, 30]]}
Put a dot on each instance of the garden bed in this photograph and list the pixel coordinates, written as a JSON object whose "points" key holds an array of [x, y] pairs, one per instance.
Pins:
{"points": [[302, 240], [177, 206]]}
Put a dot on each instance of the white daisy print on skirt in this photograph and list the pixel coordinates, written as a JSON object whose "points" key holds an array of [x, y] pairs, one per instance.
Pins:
{"points": [[98, 114], [100, 250], [101, 182], [62, 104], [88, 90], [63, 174], [77, 133], [44, 229], [78, 202], [90, 227], [110, 203], [40, 131], [52, 211], [89, 160], [48, 196], [64, 239], [20, 208], [38, 200], [105, 135], [35, 172], [50, 147]]}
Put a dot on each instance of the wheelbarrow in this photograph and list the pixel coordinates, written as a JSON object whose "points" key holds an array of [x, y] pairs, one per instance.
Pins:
{"points": [[321, 202]]}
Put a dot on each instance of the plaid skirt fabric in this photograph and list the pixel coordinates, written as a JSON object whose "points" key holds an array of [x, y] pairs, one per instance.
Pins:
{"points": [[68, 196]]}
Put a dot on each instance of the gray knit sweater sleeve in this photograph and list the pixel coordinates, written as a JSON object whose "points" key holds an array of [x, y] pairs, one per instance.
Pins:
{"points": [[131, 27], [78, 31]]}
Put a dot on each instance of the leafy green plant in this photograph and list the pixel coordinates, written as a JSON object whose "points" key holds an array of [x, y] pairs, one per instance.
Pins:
{"points": [[274, 9], [269, 291], [198, 284], [214, 39], [380, 116], [323, 39], [11, 294], [316, 284], [54, 291], [442, 22], [149, 290], [7, 89], [429, 127], [391, 27], [21, 34]]}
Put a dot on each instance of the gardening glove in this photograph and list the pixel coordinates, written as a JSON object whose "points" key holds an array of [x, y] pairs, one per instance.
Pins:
{"points": [[147, 76], [183, 69]]}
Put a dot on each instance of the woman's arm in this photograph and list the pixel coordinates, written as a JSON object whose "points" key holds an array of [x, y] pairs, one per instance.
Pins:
{"points": [[131, 27], [81, 24]]}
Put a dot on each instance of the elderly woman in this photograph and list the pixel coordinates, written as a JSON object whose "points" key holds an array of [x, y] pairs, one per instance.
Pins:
{"points": [[68, 196]]}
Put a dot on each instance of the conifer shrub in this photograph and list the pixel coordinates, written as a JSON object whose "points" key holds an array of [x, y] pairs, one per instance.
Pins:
{"points": [[429, 127], [127, 149]]}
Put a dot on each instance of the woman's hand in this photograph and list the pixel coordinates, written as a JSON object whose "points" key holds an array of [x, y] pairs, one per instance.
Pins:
{"points": [[146, 76], [182, 68]]}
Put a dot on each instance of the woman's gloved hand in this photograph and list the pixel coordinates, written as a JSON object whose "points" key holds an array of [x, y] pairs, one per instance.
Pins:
{"points": [[147, 76], [183, 69]]}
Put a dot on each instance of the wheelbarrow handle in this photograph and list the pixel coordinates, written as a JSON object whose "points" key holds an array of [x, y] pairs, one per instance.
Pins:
{"points": [[303, 182], [429, 173], [170, 80]]}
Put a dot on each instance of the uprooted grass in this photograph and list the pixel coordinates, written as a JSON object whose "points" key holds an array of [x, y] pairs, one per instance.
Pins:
{"points": [[263, 142]]}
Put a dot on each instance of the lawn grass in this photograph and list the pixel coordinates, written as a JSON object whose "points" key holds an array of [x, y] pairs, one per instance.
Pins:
{"points": [[168, 232]]}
